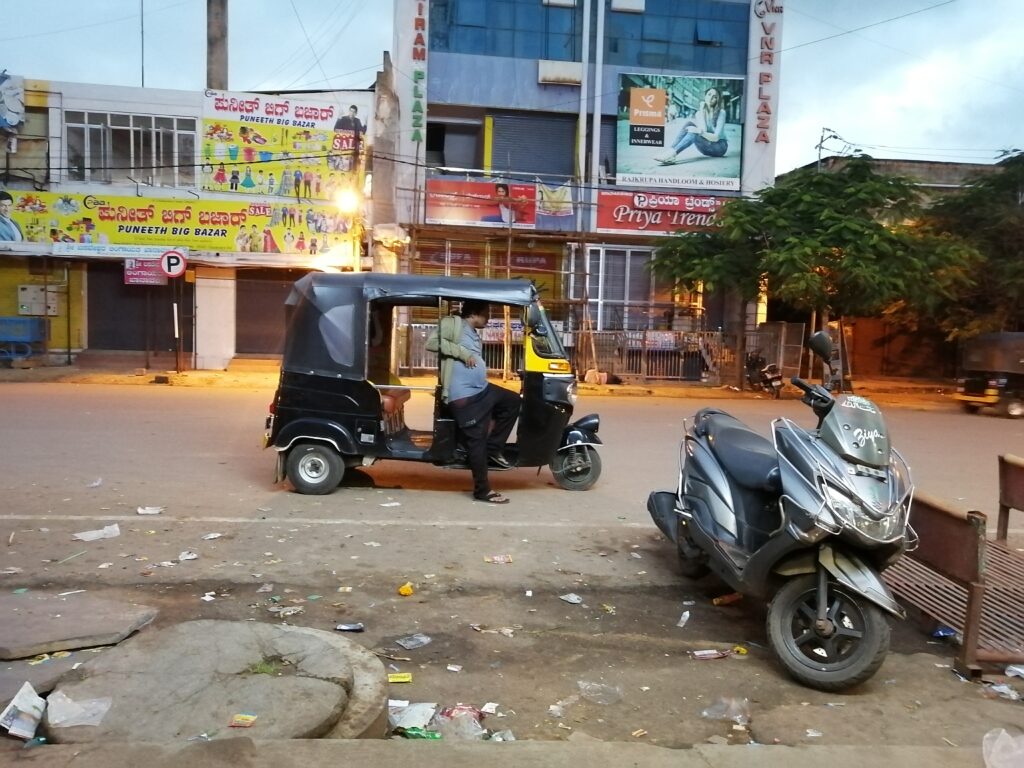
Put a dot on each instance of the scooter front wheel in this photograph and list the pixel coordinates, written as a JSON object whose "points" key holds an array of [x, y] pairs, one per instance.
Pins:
{"points": [[844, 650], [576, 468]]}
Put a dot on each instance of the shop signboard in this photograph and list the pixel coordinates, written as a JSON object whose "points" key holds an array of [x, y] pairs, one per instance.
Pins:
{"points": [[143, 272], [91, 225], [293, 146], [656, 212], [481, 203], [679, 131]]}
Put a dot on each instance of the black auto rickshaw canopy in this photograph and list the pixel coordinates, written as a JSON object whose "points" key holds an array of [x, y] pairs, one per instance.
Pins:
{"points": [[328, 313]]}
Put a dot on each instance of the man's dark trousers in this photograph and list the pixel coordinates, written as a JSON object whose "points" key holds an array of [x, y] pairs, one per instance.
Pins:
{"points": [[475, 416]]}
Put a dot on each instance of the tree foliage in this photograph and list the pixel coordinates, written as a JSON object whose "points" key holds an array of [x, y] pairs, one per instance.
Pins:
{"points": [[845, 242], [988, 214]]}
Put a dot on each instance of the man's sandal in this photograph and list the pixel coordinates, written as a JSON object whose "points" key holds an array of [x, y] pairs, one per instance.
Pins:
{"points": [[493, 498]]}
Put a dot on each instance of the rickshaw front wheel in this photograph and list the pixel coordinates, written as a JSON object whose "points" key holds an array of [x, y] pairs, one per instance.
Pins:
{"points": [[576, 468], [314, 468]]}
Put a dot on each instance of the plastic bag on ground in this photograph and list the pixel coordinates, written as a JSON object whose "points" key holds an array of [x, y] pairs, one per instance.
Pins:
{"points": [[66, 713], [736, 710], [459, 723], [599, 693], [1001, 750]]}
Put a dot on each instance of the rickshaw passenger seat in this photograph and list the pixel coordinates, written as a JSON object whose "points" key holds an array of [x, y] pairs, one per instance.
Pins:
{"points": [[393, 398]]}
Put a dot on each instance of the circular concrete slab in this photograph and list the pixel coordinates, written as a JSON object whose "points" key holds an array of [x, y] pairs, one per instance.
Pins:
{"points": [[194, 677]]}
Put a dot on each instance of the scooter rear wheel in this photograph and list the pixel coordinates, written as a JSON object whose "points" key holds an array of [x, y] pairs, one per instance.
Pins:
{"points": [[846, 653]]}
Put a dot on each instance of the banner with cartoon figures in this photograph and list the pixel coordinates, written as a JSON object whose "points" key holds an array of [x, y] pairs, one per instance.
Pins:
{"points": [[203, 225], [293, 146], [679, 131]]}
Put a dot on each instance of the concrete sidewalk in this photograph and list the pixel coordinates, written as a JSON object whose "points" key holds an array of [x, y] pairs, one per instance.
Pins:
{"points": [[884, 388], [396, 753]]}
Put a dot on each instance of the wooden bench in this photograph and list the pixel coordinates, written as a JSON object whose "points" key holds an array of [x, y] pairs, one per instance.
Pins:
{"points": [[965, 582], [1011, 492]]}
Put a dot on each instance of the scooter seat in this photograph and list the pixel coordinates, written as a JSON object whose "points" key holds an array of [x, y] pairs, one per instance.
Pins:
{"points": [[748, 458]]}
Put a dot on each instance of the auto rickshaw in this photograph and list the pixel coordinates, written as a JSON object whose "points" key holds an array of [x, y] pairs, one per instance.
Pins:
{"points": [[992, 374], [338, 404]]}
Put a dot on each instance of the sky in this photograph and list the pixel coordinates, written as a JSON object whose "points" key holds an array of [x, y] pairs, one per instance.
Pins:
{"points": [[918, 79]]}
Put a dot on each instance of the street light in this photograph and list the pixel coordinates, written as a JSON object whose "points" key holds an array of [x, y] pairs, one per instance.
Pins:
{"points": [[348, 200]]}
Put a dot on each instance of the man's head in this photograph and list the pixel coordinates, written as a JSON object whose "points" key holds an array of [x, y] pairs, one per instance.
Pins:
{"points": [[475, 312], [6, 204], [353, 110]]}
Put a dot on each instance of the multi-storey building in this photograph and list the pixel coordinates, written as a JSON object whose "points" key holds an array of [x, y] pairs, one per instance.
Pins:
{"points": [[104, 180], [561, 139]]}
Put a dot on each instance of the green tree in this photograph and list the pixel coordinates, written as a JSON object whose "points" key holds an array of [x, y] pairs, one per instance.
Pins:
{"points": [[988, 214], [846, 243]]}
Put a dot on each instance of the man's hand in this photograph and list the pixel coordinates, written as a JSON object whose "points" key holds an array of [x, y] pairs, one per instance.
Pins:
{"points": [[471, 363]]}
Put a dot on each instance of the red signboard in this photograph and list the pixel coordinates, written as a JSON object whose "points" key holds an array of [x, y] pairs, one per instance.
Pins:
{"points": [[656, 213], [481, 203], [144, 272]]}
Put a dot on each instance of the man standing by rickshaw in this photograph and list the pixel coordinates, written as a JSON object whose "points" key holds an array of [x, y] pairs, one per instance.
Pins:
{"points": [[484, 413]]}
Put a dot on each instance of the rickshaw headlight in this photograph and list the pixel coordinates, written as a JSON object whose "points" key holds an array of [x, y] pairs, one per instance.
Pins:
{"points": [[571, 391]]}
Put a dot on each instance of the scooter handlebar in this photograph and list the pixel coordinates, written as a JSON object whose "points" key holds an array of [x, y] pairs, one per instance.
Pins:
{"points": [[799, 383], [812, 392]]}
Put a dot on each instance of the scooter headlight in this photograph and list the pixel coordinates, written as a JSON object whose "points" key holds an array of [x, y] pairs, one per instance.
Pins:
{"points": [[845, 508], [850, 514]]}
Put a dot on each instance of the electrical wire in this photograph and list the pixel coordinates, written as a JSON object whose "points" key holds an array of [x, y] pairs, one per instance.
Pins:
{"points": [[862, 28], [305, 34], [93, 24], [354, 11], [293, 58]]}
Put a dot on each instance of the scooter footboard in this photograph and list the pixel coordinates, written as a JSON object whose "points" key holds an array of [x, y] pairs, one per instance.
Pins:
{"points": [[662, 507]]}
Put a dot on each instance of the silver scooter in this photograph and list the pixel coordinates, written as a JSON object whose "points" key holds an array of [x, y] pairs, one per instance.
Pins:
{"points": [[808, 521]]}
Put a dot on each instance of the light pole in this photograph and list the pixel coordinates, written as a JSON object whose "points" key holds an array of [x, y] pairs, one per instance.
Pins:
{"points": [[830, 135]]}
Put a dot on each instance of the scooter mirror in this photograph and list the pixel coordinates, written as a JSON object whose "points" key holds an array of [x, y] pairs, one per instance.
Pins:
{"points": [[820, 343]]}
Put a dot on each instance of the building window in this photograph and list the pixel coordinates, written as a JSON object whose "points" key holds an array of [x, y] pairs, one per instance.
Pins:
{"points": [[513, 28], [120, 148], [622, 294]]}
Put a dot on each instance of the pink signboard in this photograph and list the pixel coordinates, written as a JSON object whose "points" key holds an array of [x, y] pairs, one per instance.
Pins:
{"points": [[143, 272]]}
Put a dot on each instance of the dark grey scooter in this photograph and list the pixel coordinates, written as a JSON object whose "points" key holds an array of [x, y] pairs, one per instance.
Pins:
{"points": [[808, 522]]}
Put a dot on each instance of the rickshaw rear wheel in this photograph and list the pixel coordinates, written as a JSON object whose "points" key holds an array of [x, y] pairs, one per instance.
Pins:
{"points": [[314, 468], [576, 468]]}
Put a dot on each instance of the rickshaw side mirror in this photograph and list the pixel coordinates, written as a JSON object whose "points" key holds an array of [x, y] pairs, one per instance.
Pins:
{"points": [[535, 321]]}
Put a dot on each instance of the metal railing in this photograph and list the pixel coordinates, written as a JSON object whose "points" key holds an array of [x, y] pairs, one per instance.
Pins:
{"points": [[626, 355]]}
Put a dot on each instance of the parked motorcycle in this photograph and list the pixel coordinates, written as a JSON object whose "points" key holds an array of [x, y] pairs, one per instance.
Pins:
{"points": [[809, 521], [763, 375]]}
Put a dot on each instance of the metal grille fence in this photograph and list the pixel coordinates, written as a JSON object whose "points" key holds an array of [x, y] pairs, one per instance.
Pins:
{"points": [[628, 355]]}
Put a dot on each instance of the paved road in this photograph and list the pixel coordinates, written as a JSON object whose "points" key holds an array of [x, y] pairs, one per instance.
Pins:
{"points": [[150, 442], [79, 457]]}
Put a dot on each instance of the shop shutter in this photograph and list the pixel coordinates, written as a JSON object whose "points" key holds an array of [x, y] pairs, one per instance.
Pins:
{"points": [[525, 144]]}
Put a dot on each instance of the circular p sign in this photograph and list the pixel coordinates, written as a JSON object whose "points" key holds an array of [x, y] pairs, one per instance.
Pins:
{"points": [[173, 263]]}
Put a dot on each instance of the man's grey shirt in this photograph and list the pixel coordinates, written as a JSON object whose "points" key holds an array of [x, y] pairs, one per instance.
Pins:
{"points": [[466, 381]]}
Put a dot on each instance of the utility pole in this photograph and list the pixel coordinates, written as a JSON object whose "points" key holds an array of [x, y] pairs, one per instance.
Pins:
{"points": [[821, 143], [142, 38], [217, 44]]}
